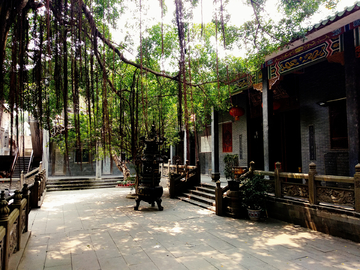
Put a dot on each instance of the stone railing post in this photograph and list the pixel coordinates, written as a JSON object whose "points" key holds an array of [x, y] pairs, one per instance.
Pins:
{"points": [[35, 192], [277, 180], [186, 169], [17, 204], [44, 181], [4, 221], [25, 195], [219, 199], [252, 168], [172, 186], [312, 184], [169, 168], [22, 178], [198, 173], [357, 188]]}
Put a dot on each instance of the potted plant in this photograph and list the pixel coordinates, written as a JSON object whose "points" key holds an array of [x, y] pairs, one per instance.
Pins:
{"points": [[253, 192], [230, 162], [232, 196]]}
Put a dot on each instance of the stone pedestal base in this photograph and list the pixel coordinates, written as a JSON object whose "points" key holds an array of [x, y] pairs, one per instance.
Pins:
{"points": [[149, 195]]}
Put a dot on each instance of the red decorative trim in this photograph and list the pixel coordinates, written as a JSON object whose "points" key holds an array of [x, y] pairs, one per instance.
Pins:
{"points": [[227, 137], [357, 52]]}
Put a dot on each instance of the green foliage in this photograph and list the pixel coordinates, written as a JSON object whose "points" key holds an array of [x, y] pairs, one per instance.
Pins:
{"points": [[111, 103], [230, 161], [253, 192]]}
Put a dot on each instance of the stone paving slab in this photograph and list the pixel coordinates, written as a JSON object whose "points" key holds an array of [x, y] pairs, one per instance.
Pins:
{"points": [[99, 229]]}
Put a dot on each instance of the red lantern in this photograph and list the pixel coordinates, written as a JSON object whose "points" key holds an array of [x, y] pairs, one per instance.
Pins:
{"points": [[236, 112], [276, 105]]}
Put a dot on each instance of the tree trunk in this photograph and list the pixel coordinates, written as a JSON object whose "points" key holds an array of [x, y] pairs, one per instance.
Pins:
{"points": [[121, 165]]}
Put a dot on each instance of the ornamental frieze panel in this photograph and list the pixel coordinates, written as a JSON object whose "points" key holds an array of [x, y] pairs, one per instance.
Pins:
{"points": [[343, 197], [307, 46], [295, 191], [303, 58], [357, 52], [246, 81], [242, 83]]}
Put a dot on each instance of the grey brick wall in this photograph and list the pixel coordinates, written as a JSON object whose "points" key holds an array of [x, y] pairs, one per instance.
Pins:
{"points": [[238, 128]]}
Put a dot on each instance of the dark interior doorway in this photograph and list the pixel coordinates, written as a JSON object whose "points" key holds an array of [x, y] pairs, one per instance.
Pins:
{"points": [[256, 145], [286, 141]]}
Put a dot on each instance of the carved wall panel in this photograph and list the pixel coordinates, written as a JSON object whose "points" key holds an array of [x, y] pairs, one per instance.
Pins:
{"points": [[335, 196], [23, 220], [295, 191], [13, 238], [1, 251]]}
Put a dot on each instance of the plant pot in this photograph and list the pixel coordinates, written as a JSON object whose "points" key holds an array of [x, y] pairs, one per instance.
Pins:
{"points": [[233, 199], [254, 214]]}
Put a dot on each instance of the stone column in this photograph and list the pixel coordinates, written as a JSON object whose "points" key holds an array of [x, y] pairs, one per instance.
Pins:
{"points": [[172, 153], [185, 146], [215, 174], [352, 85], [98, 165], [267, 112], [46, 152]]}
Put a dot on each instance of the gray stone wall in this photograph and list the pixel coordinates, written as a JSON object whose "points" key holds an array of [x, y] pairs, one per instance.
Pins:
{"points": [[56, 166], [239, 128]]}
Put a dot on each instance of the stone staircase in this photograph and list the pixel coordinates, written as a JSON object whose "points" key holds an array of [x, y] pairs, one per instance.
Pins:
{"points": [[74, 183], [202, 196], [21, 165]]}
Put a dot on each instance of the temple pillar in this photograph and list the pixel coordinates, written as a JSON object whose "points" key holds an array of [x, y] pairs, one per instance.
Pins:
{"points": [[215, 174], [352, 86], [267, 112]]}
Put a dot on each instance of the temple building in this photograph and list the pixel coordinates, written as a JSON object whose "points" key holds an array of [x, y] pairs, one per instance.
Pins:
{"points": [[301, 107]]}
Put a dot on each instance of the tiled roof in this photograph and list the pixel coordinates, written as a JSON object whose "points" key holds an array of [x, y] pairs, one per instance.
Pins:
{"points": [[337, 16]]}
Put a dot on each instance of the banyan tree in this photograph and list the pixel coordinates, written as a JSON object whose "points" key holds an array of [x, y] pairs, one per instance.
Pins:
{"points": [[58, 62]]}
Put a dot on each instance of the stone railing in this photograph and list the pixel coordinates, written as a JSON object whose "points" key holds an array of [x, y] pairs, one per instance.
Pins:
{"points": [[330, 190], [231, 205], [325, 203], [14, 218], [14, 215], [36, 183], [181, 177], [167, 168]]}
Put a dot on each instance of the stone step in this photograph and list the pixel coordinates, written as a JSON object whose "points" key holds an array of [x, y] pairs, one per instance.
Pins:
{"points": [[198, 198], [211, 186], [79, 187], [205, 190], [81, 183], [197, 203], [202, 193], [202, 196]]}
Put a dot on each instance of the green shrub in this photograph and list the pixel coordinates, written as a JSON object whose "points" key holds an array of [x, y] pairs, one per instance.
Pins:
{"points": [[230, 161], [253, 191]]}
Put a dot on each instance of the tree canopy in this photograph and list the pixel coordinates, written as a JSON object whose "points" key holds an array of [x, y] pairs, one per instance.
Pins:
{"points": [[58, 62]]}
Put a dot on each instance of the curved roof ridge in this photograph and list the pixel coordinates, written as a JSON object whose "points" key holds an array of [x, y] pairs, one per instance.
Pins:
{"points": [[333, 18]]}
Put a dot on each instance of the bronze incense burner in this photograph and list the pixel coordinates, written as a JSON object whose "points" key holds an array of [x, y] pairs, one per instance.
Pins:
{"points": [[149, 189]]}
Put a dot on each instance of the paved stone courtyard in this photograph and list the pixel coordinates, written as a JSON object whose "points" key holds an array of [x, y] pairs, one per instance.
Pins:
{"points": [[98, 229]]}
